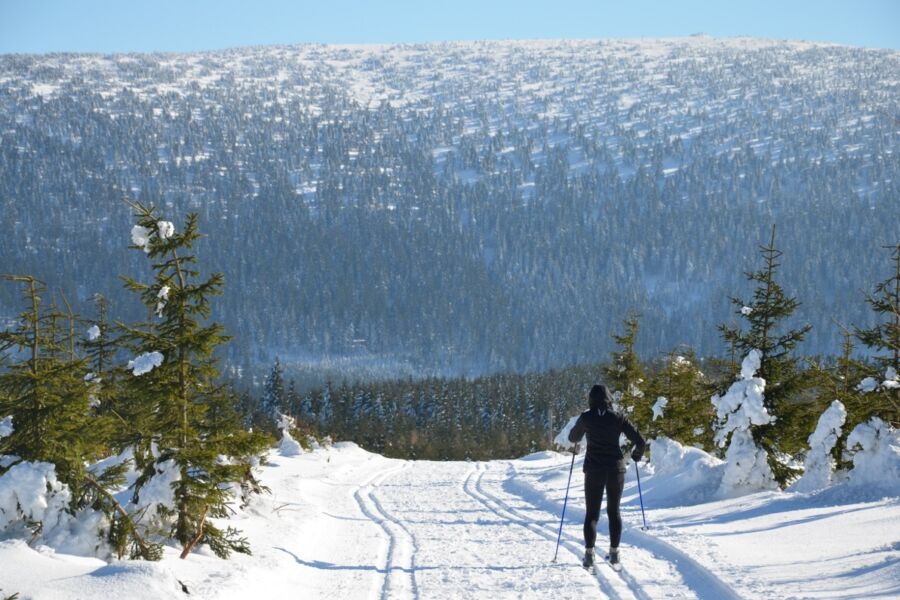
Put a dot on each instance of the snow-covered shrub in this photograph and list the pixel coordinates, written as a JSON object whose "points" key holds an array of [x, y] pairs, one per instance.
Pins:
{"points": [[31, 496], [875, 450], [747, 469], [819, 464], [562, 438], [288, 446]]}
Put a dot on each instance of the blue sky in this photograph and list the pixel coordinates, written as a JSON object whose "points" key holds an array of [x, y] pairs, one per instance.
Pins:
{"points": [[187, 25]]}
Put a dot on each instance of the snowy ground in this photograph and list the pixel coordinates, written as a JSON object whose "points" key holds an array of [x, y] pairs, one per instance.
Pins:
{"points": [[344, 523]]}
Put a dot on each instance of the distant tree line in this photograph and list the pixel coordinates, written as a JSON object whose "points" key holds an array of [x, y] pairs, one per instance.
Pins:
{"points": [[508, 415]]}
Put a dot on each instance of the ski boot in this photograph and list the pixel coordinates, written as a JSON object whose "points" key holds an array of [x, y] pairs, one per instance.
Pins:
{"points": [[588, 561], [613, 559]]}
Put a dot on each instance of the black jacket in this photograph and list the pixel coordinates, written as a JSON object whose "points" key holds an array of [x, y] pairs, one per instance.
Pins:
{"points": [[603, 429]]}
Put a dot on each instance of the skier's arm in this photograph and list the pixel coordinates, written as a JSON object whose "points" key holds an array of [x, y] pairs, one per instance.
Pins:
{"points": [[577, 431], [635, 437]]}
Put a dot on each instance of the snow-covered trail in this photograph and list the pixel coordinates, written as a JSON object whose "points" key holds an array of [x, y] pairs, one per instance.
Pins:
{"points": [[341, 522], [421, 529]]}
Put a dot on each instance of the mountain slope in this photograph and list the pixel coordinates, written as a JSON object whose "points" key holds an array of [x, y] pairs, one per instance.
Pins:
{"points": [[463, 207]]}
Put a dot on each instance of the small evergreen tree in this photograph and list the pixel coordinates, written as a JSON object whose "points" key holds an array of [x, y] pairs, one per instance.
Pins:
{"points": [[193, 419], [625, 375], [883, 340], [688, 416], [273, 398], [765, 316]]}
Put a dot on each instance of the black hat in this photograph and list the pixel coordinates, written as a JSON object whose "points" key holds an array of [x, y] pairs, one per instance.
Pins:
{"points": [[599, 397]]}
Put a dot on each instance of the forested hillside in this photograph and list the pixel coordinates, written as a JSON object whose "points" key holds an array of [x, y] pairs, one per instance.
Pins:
{"points": [[464, 208]]}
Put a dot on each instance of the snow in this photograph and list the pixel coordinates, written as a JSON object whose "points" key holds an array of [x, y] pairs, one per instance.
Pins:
{"points": [[93, 333], [145, 363], [163, 297], [6, 427], [30, 492], [746, 311], [818, 466], [140, 236], [165, 229], [875, 448], [341, 522], [659, 407], [870, 384], [157, 493], [562, 438]]}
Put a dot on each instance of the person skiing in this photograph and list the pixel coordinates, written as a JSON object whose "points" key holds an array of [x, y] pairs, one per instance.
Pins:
{"points": [[604, 467]]}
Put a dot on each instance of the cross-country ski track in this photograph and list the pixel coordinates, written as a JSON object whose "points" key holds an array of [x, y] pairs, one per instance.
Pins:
{"points": [[340, 522]]}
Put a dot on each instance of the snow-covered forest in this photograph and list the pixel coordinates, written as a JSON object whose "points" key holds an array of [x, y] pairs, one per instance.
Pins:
{"points": [[330, 313], [511, 201]]}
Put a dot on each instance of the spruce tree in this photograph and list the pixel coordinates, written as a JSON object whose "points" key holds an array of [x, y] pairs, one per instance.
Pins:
{"points": [[49, 401], [175, 375], [45, 393], [688, 415], [273, 398], [883, 341], [626, 374], [765, 331]]}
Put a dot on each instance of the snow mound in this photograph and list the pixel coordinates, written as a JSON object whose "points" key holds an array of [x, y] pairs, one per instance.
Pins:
{"points": [[681, 474], [562, 438], [819, 465], [876, 456]]}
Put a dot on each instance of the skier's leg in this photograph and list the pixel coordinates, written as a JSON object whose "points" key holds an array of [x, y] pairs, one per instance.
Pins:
{"points": [[614, 484], [593, 496]]}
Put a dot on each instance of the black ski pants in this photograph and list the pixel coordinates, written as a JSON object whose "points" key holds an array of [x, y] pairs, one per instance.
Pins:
{"points": [[613, 481]]}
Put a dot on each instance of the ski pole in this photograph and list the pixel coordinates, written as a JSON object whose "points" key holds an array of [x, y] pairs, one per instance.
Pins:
{"points": [[566, 501], [640, 494]]}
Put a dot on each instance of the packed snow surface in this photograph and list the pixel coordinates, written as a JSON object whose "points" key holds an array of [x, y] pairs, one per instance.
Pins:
{"points": [[344, 523]]}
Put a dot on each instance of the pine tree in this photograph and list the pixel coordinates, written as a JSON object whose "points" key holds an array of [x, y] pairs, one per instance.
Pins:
{"points": [[625, 375], [194, 422], [765, 316], [883, 341]]}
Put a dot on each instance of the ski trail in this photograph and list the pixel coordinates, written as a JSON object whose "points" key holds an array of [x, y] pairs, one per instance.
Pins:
{"points": [[399, 574], [609, 587], [413, 543], [703, 582]]}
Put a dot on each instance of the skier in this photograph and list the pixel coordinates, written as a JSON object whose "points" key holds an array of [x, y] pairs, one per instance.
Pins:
{"points": [[604, 467]]}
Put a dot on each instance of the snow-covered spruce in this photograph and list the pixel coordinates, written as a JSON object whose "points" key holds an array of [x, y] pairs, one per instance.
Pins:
{"points": [[145, 362], [747, 469], [819, 465], [288, 446], [875, 449]]}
